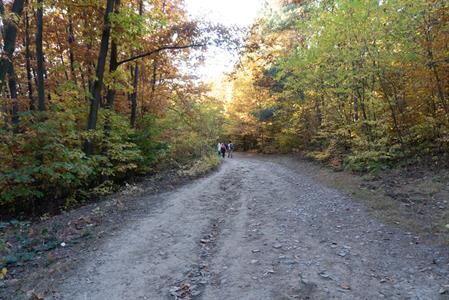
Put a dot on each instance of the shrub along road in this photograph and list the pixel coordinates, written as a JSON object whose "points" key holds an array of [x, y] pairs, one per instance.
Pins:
{"points": [[258, 230]]}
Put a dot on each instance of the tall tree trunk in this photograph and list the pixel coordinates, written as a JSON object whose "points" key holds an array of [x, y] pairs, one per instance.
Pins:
{"points": [[71, 40], [40, 56], [113, 64], [85, 83], [98, 83], [12, 83], [110, 96], [355, 99], [9, 33], [153, 79], [392, 110], [433, 67], [28, 61], [133, 97]]}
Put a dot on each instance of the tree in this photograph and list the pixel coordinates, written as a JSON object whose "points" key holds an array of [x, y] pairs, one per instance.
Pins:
{"points": [[98, 83], [40, 56], [9, 32]]}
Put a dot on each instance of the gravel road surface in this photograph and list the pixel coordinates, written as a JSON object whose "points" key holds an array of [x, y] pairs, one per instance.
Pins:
{"points": [[258, 230]]}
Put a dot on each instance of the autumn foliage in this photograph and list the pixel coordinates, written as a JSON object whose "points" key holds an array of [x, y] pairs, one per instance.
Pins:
{"points": [[93, 92], [362, 82]]}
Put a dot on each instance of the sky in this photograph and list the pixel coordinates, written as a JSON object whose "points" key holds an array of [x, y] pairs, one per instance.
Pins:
{"points": [[227, 12]]}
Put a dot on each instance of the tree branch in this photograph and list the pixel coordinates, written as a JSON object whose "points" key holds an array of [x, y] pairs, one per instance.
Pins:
{"points": [[174, 47]]}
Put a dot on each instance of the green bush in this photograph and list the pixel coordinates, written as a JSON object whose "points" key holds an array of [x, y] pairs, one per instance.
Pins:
{"points": [[45, 162]]}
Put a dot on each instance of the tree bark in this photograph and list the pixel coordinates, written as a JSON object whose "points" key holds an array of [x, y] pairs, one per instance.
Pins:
{"points": [[40, 57], [28, 62], [9, 37], [133, 96], [433, 67], [113, 65], [71, 40], [98, 83], [9, 33]]}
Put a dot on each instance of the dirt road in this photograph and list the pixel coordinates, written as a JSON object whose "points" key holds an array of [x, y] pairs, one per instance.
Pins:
{"points": [[259, 230]]}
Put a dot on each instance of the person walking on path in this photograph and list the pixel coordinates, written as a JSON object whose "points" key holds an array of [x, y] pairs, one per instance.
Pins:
{"points": [[223, 150], [219, 149], [230, 149]]}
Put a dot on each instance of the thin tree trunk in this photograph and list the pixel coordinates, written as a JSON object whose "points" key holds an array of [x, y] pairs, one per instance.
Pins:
{"points": [[28, 61], [433, 67], [133, 97], [12, 83], [71, 40], [40, 57], [110, 96], [98, 83], [153, 80], [393, 113], [85, 84], [61, 55]]}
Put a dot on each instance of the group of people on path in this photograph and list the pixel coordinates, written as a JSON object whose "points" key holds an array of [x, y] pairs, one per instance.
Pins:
{"points": [[223, 148]]}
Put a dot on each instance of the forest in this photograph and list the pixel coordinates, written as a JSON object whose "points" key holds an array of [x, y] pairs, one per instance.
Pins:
{"points": [[96, 92], [360, 84]]}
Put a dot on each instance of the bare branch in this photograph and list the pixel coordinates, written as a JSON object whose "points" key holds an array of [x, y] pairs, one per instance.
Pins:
{"points": [[149, 53]]}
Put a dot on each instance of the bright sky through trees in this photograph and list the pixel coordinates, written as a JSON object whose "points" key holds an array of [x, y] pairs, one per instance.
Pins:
{"points": [[229, 12]]}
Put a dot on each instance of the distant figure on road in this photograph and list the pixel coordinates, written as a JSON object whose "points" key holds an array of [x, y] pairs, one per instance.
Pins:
{"points": [[230, 149], [219, 149], [223, 150]]}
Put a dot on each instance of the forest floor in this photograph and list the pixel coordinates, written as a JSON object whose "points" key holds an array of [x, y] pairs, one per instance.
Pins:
{"points": [[261, 227]]}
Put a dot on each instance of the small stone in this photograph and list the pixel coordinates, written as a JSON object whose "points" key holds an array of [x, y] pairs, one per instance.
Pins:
{"points": [[325, 275], [254, 261], [255, 251], [277, 246]]}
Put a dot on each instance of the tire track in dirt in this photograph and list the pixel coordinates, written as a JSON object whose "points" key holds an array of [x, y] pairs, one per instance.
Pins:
{"points": [[257, 230]]}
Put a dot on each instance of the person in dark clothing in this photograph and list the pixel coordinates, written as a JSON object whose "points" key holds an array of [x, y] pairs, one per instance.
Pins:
{"points": [[223, 150], [230, 149]]}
